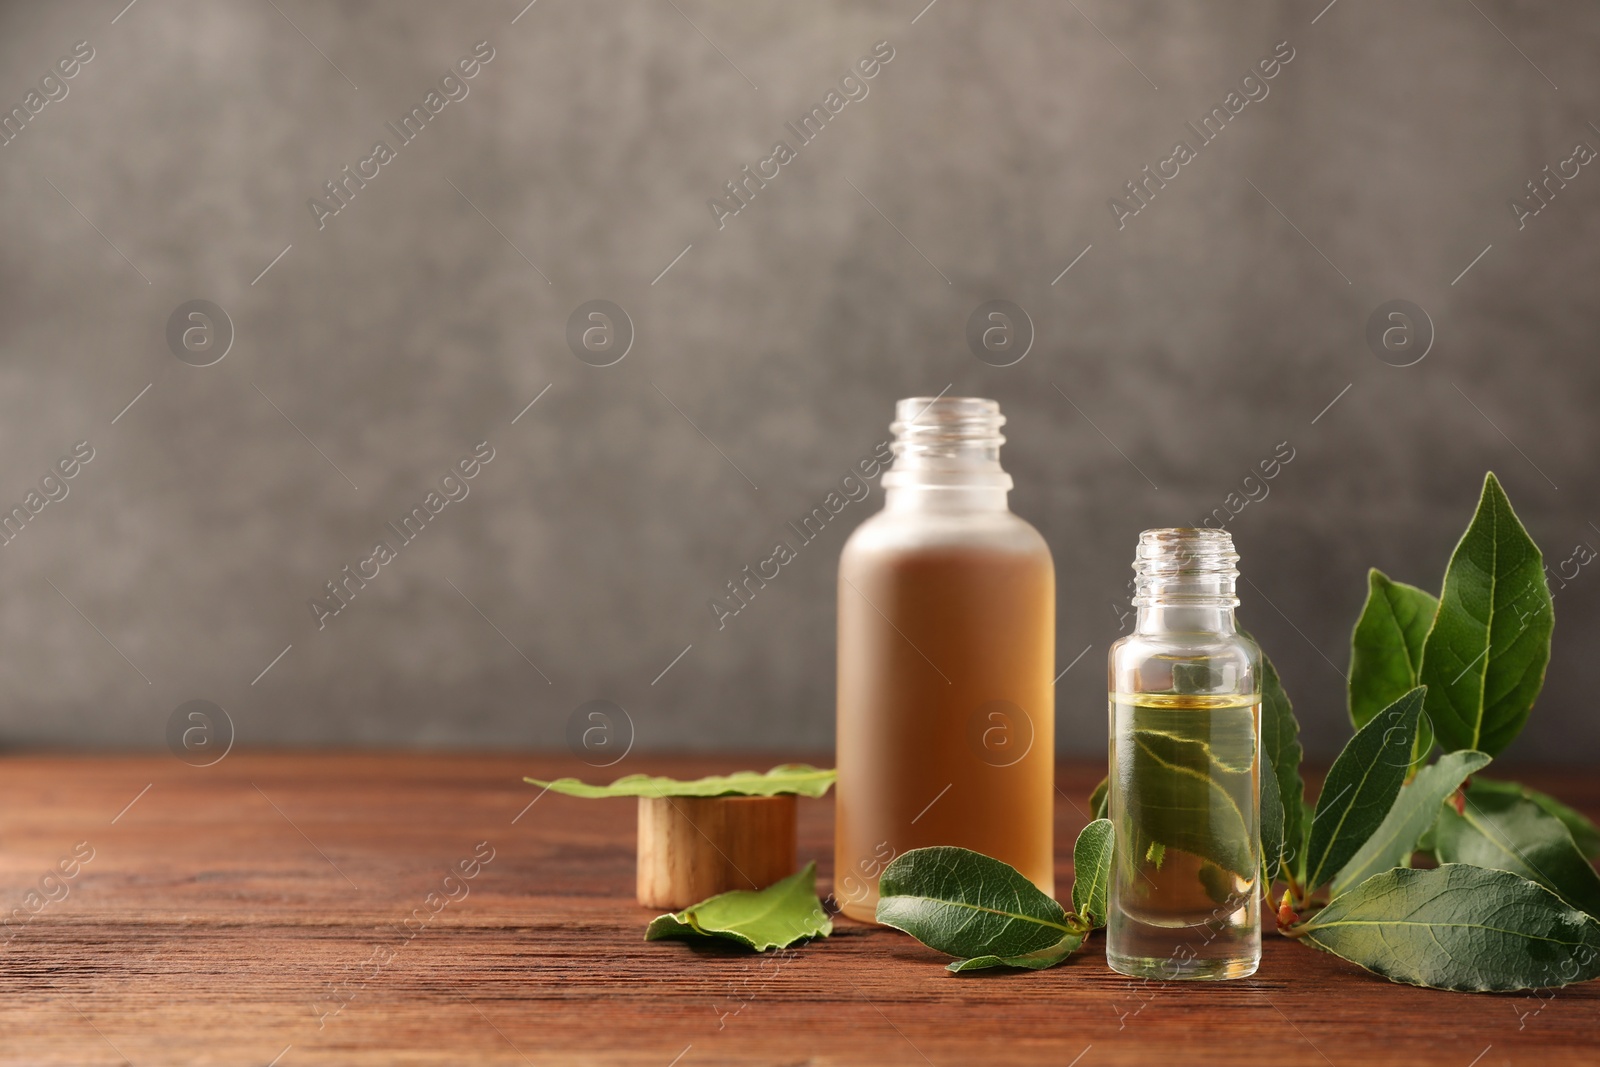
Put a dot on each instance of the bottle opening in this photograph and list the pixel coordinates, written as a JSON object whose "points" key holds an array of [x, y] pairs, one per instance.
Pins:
{"points": [[950, 442], [1185, 566]]}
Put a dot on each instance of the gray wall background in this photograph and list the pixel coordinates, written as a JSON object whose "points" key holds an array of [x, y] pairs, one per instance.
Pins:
{"points": [[1196, 339]]}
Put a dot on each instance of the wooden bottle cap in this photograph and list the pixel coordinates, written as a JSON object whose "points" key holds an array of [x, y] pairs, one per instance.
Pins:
{"points": [[691, 848]]}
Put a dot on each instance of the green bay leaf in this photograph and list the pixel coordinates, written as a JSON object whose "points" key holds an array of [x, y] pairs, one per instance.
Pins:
{"points": [[1100, 799], [1386, 650], [1386, 645], [1220, 886], [1190, 799], [1361, 787], [1280, 741], [1308, 818], [1584, 832], [1033, 961], [1509, 832], [1091, 872], [1485, 657], [1417, 807], [1459, 927], [775, 917], [966, 904], [798, 778], [1271, 823]]}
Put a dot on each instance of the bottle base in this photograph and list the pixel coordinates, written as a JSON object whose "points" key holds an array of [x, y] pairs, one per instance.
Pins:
{"points": [[860, 913], [1170, 969]]}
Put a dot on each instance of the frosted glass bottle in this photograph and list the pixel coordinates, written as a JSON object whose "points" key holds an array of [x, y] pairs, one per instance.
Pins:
{"points": [[946, 651]]}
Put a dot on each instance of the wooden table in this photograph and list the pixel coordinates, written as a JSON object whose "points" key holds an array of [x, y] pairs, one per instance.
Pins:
{"points": [[253, 910]]}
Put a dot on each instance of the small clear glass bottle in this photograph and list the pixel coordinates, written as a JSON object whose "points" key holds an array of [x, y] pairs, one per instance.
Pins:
{"points": [[946, 712], [1185, 761]]}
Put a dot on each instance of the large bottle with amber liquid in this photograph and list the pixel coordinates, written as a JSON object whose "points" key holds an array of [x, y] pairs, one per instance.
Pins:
{"points": [[946, 713]]}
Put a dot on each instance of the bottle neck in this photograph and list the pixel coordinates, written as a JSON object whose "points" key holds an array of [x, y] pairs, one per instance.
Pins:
{"points": [[1184, 581], [1189, 619], [931, 498], [946, 456]]}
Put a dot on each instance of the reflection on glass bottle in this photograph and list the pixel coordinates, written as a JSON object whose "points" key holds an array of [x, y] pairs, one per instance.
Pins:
{"points": [[946, 718], [1185, 714]]}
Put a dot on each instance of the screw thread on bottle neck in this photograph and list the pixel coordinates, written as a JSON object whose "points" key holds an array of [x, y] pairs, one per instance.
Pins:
{"points": [[1184, 578], [947, 443]]}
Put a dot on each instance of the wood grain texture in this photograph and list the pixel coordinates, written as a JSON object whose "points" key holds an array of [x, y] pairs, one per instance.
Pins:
{"points": [[691, 848], [230, 910]]}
